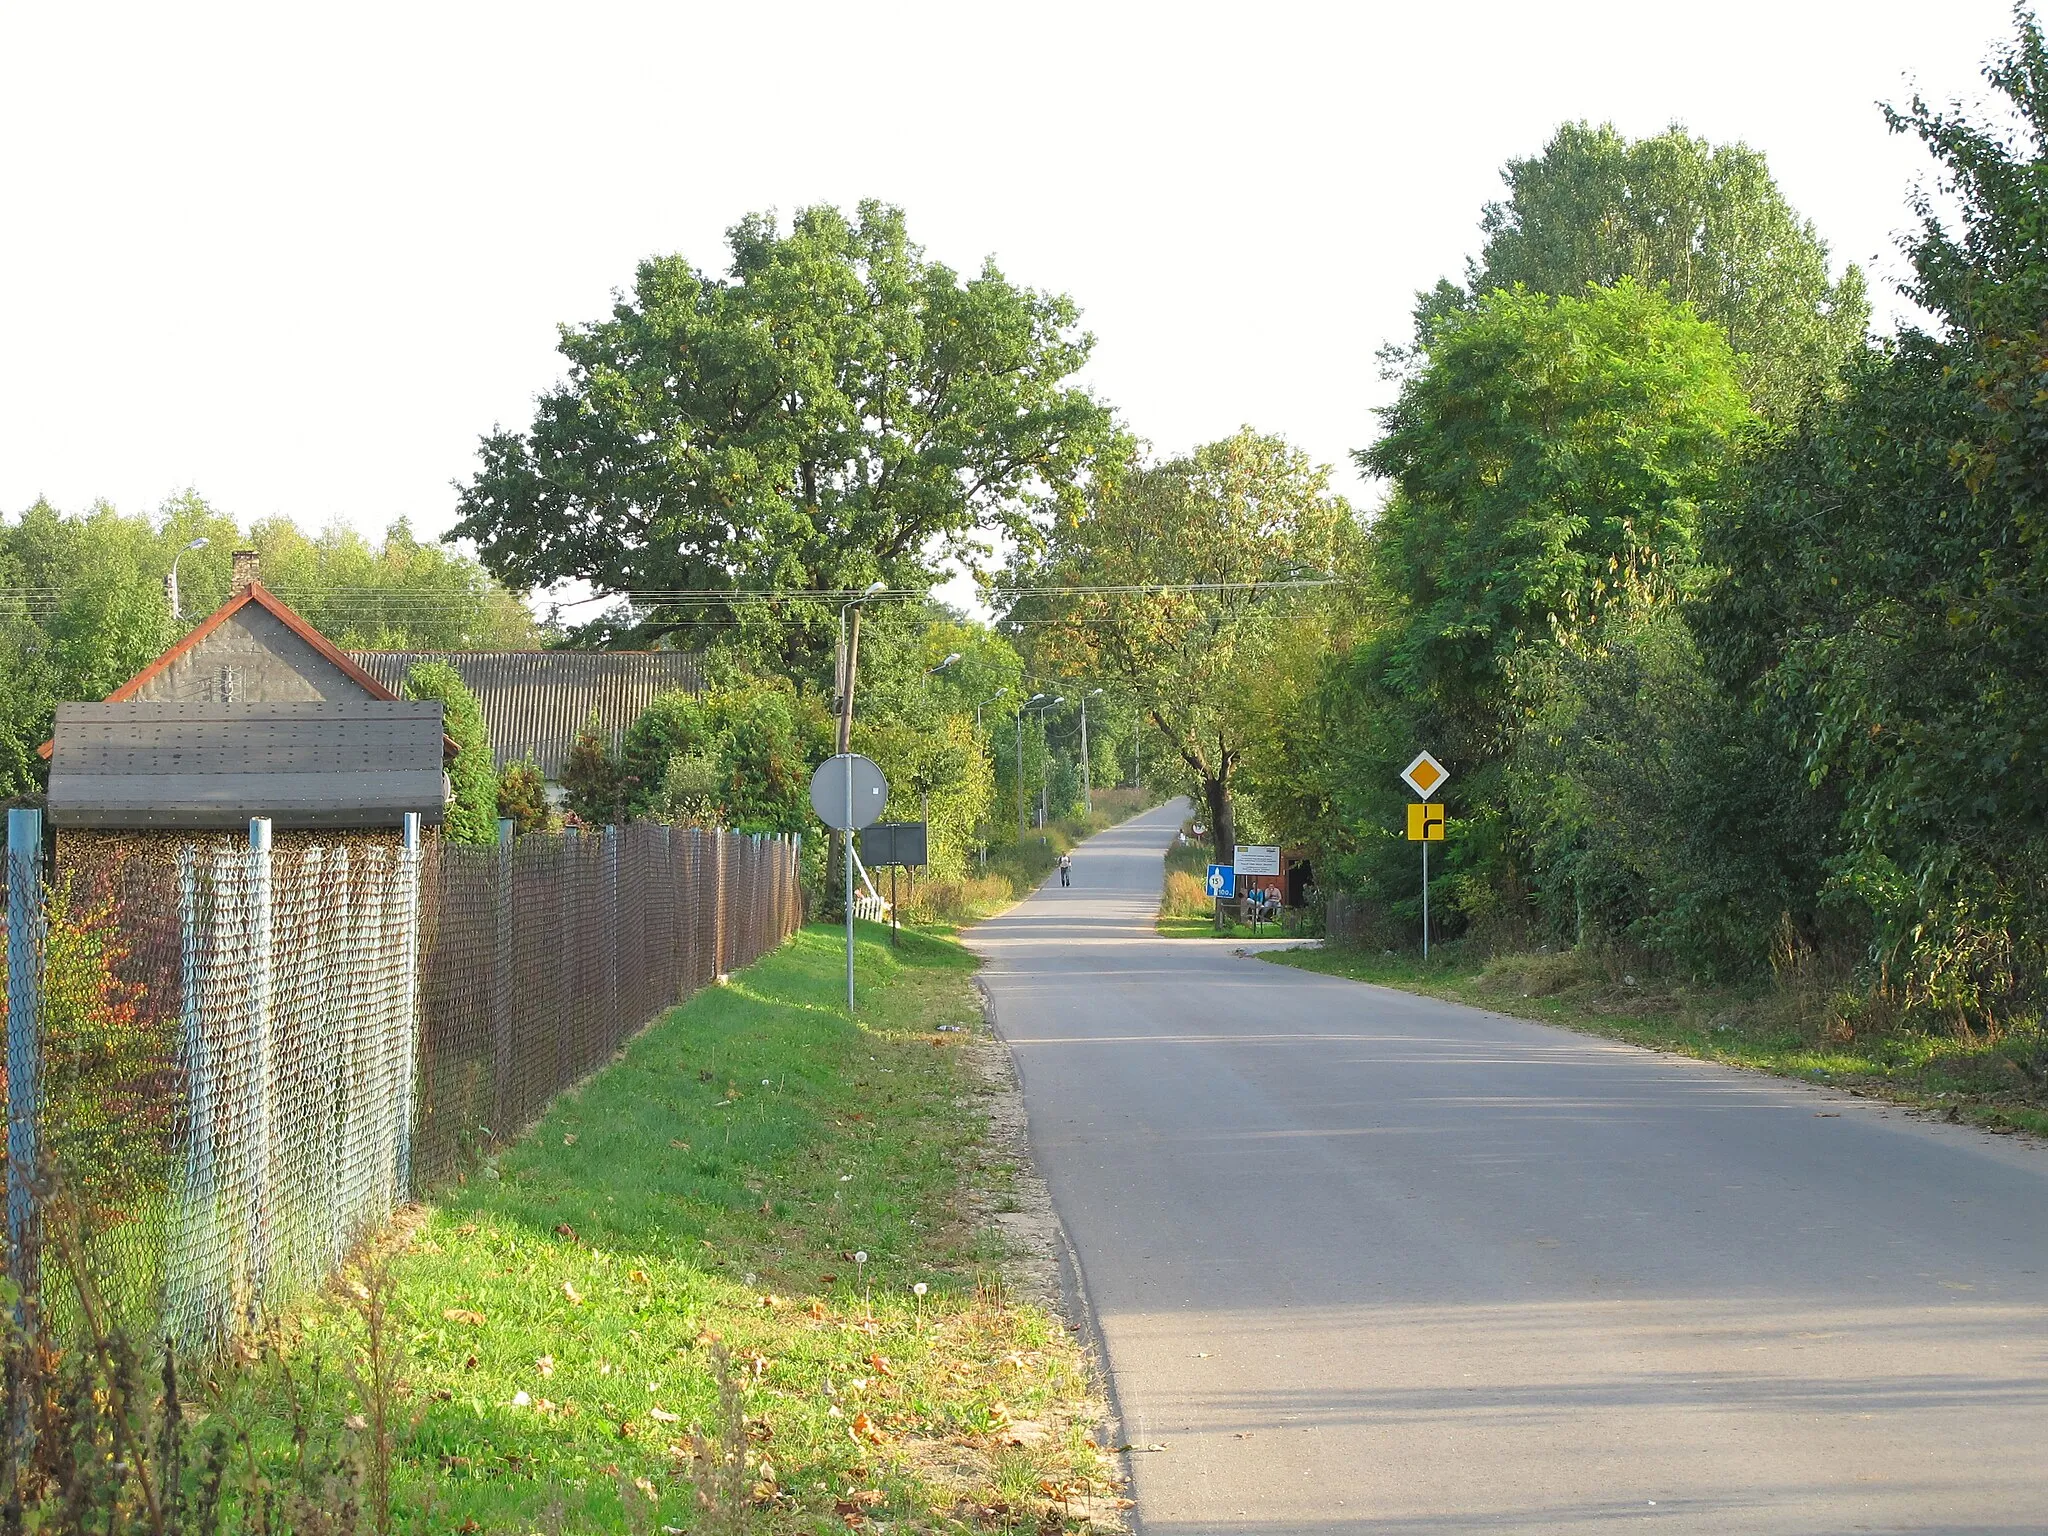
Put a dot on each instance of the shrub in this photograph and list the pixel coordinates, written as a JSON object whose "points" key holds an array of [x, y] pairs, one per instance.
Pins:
{"points": [[523, 797], [473, 814]]}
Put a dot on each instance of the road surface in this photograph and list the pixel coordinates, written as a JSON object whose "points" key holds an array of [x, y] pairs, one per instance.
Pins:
{"points": [[1363, 1261]]}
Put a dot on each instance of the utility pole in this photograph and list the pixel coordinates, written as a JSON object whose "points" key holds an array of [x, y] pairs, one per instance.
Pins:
{"points": [[999, 693], [850, 663], [1087, 768]]}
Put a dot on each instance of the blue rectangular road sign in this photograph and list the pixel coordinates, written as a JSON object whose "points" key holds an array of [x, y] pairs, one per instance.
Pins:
{"points": [[1222, 881]]}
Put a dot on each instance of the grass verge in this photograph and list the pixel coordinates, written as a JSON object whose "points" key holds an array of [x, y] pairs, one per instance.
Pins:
{"points": [[759, 1181], [1994, 1083]]}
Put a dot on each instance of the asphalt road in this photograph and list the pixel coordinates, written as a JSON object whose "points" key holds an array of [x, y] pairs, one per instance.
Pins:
{"points": [[1368, 1262]]}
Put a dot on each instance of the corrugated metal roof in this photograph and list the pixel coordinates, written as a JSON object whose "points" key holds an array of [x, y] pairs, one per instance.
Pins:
{"points": [[537, 702], [303, 763]]}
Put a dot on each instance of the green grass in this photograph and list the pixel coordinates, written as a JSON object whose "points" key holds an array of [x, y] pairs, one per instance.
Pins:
{"points": [[715, 1183], [1811, 1034], [1205, 928]]}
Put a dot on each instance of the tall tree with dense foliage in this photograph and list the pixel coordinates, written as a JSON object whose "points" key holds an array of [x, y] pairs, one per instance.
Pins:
{"points": [[1886, 578], [1222, 530], [1549, 458], [838, 409], [1706, 222]]}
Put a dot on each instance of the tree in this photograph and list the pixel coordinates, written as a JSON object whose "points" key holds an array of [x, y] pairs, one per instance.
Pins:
{"points": [[1885, 577], [1221, 530], [839, 409], [398, 594], [473, 812], [1550, 457], [593, 785], [1706, 221], [740, 754]]}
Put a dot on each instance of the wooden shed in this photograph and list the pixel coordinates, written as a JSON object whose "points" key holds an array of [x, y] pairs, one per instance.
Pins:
{"points": [[254, 713]]}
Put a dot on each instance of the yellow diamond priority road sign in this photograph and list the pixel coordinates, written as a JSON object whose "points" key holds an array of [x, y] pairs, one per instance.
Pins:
{"points": [[1425, 775]]}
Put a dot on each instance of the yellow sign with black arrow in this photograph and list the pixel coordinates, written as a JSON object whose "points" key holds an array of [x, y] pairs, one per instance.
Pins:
{"points": [[1425, 823]]}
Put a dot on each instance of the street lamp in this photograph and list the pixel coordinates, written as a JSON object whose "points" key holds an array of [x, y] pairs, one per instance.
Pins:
{"points": [[935, 671], [171, 581]]}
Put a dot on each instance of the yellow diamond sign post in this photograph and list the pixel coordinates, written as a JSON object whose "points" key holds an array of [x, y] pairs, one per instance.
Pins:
{"points": [[1426, 822]]}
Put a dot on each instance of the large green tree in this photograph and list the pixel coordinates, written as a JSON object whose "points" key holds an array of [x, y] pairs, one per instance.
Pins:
{"points": [[1550, 456], [1178, 578], [1706, 221], [1886, 577], [837, 409], [1549, 461]]}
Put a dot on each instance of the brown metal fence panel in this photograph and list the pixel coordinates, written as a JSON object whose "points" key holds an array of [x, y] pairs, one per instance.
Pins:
{"points": [[543, 956]]}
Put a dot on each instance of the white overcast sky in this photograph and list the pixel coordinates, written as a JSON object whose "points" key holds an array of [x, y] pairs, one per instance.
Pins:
{"points": [[300, 257]]}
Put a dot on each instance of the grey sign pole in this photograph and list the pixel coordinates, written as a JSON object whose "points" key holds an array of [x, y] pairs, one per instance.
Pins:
{"points": [[849, 884]]}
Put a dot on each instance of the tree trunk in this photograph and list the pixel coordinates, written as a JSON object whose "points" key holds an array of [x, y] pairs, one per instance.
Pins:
{"points": [[1222, 820]]}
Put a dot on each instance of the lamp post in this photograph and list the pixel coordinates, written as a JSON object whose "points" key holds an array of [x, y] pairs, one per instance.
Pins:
{"points": [[171, 580], [998, 694]]}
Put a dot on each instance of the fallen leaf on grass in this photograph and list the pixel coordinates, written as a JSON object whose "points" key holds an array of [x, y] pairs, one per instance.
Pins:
{"points": [[639, 1277], [1026, 1432], [818, 1309], [464, 1315], [881, 1365], [566, 1232], [680, 1146], [575, 1296], [861, 1427], [546, 1365], [467, 1229], [663, 1416], [569, 1140]]}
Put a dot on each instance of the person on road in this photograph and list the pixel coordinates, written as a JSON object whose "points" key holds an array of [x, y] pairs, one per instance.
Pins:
{"points": [[1066, 869]]}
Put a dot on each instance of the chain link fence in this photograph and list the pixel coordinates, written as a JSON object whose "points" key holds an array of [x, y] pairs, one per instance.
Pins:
{"points": [[245, 1056]]}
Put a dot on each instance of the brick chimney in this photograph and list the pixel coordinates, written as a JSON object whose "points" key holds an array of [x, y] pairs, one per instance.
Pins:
{"points": [[245, 570]]}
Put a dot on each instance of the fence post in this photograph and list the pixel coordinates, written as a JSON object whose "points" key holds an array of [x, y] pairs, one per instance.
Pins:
{"points": [[257, 1027], [501, 985], [25, 916], [718, 837], [409, 1000]]}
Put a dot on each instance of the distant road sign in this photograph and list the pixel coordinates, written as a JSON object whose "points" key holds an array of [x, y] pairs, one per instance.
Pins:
{"points": [[1222, 881], [1256, 859], [845, 808], [1425, 775], [1425, 823]]}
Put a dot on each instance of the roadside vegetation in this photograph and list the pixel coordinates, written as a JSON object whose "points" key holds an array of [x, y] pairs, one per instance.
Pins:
{"points": [[1801, 1023], [735, 1281], [763, 1199]]}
